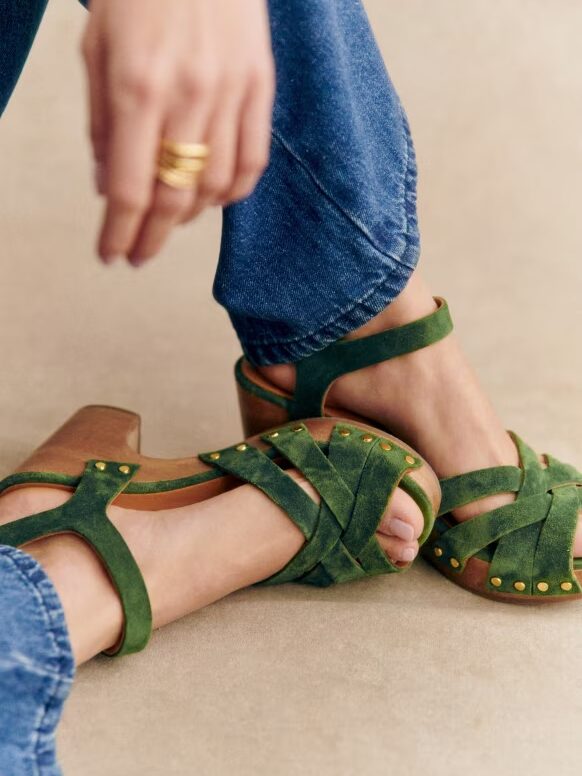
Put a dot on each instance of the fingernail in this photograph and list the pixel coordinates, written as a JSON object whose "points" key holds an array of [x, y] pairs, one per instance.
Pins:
{"points": [[401, 529], [109, 259], [408, 555], [136, 262]]}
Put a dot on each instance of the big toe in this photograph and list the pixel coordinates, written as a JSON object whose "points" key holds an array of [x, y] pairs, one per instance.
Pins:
{"points": [[400, 528]]}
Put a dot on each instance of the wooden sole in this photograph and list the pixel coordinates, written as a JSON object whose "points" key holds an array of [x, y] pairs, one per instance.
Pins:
{"points": [[476, 573], [110, 433], [258, 414]]}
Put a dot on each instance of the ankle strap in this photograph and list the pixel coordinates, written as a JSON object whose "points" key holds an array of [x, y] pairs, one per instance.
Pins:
{"points": [[317, 372]]}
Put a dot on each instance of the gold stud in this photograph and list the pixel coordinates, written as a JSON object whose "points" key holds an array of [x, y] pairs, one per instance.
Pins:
{"points": [[274, 435], [297, 428], [409, 459], [438, 552], [519, 586], [566, 587], [454, 563], [385, 446], [241, 448], [101, 465], [543, 587], [344, 432], [214, 456], [124, 469], [367, 438], [496, 581]]}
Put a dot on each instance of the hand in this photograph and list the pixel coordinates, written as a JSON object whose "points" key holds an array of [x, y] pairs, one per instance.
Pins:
{"points": [[193, 71]]}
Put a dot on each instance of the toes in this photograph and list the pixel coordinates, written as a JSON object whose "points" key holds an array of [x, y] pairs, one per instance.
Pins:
{"points": [[397, 550], [403, 518]]}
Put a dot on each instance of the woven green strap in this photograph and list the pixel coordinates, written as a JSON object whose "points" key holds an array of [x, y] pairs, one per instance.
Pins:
{"points": [[317, 372], [531, 539], [85, 514], [354, 476]]}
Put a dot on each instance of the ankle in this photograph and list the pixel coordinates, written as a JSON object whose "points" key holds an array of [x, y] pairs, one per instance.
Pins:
{"points": [[413, 303], [83, 586]]}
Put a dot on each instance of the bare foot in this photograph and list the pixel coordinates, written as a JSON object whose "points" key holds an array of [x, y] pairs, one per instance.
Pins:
{"points": [[432, 399], [189, 557]]}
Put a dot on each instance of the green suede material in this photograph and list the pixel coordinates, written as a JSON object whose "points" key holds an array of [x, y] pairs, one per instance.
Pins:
{"points": [[465, 488], [354, 478], [317, 372], [85, 514], [251, 465], [529, 541], [553, 562], [300, 449], [347, 462]]}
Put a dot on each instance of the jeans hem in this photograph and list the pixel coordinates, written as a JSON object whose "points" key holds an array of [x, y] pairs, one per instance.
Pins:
{"points": [[58, 666], [360, 312]]}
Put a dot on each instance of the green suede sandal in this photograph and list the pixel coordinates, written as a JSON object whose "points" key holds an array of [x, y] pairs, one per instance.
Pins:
{"points": [[354, 469], [522, 552], [519, 553]]}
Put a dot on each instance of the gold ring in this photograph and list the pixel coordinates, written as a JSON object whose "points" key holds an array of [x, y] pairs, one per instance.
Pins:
{"points": [[186, 150], [179, 164]]}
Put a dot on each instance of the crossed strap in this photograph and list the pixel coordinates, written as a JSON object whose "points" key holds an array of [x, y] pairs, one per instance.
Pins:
{"points": [[531, 539], [354, 474]]}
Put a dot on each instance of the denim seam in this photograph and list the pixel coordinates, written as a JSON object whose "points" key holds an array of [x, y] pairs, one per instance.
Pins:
{"points": [[405, 176], [19, 561], [342, 312], [349, 216]]}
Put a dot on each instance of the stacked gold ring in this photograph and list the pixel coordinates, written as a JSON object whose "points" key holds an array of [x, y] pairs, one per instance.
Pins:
{"points": [[180, 164]]}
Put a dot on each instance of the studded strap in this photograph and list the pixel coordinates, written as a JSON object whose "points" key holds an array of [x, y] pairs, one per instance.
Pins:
{"points": [[530, 540], [354, 475], [85, 515]]}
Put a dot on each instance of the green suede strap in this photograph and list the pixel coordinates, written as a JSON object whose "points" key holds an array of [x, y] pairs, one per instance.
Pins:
{"points": [[354, 479], [530, 541], [317, 372], [85, 514], [465, 488]]}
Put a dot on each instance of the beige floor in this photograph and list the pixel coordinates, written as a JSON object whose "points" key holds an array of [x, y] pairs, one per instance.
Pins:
{"points": [[395, 676]]}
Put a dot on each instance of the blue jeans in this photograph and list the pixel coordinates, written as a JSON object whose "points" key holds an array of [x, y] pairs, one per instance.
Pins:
{"points": [[327, 240], [330, 236], [36, 666]]}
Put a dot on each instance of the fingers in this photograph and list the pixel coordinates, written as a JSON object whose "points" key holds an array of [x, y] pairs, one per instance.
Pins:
{"points": [[92, 50], [222, 139], [254, 139], [187, 123], [239, 139]]}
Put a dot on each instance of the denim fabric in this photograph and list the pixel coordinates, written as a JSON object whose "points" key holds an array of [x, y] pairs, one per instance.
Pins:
{"points": [[330, 236], [36, 666], [19, 21]]}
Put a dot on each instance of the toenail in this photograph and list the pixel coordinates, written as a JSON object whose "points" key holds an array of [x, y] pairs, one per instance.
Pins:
{"points": [[401, 529], [408, 555]]}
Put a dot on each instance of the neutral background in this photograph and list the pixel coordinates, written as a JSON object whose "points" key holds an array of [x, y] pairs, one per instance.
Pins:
{"points": [[408, 675]]}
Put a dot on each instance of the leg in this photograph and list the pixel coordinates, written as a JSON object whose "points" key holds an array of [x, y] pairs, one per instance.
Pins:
{"points": [[294, 278], [329, 237], [189, 556]]}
